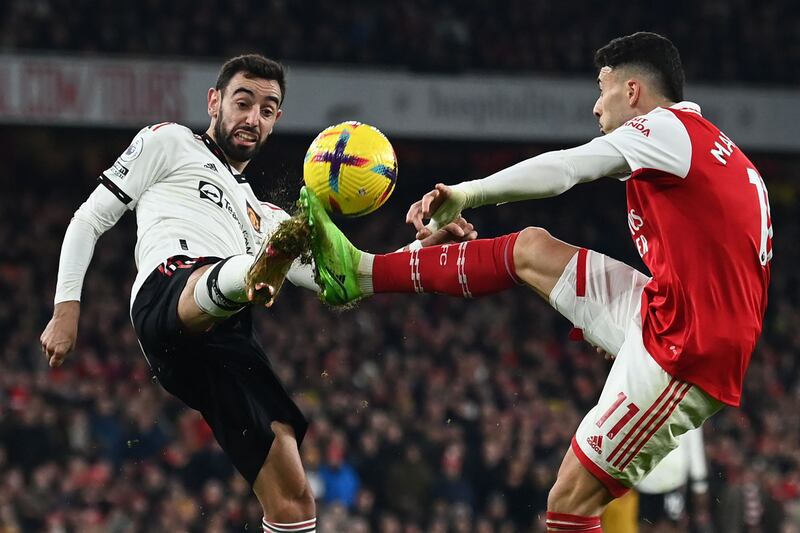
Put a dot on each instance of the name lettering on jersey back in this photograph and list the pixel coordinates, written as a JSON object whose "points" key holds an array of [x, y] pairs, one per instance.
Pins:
{"points": [[635, 223], [723, 148], [640, 125]]}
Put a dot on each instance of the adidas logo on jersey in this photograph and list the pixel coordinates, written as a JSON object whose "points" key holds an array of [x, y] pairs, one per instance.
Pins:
{"points": [[596, 442], [212, 166]]}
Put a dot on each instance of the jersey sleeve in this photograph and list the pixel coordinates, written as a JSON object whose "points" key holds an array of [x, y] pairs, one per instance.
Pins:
{"points": [[657, 141], [93, 218], [143, 163]]}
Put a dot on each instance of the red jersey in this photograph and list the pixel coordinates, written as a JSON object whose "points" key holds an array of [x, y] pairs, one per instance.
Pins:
{"points": [[698, 212]]}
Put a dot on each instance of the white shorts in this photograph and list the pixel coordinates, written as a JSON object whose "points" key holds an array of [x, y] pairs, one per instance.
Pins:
{"points": [[642, 409]]}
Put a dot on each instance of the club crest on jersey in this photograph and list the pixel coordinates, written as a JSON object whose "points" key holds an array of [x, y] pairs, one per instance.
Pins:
{"points": [[209, 191], [133, 151], [255, 220]]}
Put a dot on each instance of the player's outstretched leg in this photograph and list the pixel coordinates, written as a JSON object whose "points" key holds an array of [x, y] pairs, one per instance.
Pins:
{"points": [[466, 269]]}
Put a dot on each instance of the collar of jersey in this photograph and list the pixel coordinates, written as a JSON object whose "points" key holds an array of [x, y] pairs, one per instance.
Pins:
{"points": [[214, 148], [687, 106]]}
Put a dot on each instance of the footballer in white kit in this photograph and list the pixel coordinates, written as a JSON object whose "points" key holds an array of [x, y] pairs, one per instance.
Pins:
{"points": [[192, 209], [200, 235]]}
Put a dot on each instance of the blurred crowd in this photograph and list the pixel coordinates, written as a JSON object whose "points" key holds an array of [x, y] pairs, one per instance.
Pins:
{"points": [[721, 40], [428, 413]]}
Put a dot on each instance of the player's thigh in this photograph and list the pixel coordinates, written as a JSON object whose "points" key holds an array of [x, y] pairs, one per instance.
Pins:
{"points": [[641, 412], [600, 296]]}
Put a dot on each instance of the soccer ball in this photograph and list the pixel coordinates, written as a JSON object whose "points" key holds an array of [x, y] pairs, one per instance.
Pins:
{"points": [[351, 167]]}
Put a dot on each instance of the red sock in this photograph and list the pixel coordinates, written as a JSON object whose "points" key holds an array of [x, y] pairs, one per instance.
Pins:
{"points": [[570, 523], [468, 269]]}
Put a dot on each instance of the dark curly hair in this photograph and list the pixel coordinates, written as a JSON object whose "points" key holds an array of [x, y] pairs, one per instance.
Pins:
{"points": [[253, 66], [651, 52]]}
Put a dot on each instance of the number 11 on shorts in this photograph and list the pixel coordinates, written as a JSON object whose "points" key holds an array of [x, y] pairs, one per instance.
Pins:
{"points": [[632, 410]]}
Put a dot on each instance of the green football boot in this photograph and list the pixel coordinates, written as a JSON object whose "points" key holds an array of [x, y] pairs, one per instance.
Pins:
{"points": [[336, 260]]}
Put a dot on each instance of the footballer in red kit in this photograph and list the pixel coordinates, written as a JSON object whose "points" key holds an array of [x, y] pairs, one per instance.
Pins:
{"points": [[681, 338]]}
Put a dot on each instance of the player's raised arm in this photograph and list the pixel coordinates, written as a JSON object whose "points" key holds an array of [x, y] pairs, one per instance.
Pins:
{"points": [[97, 214], [120, 187], [543, 176]]}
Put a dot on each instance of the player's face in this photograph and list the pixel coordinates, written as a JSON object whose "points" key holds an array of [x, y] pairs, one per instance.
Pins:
{"points": [[613, 107], [243, 115]]}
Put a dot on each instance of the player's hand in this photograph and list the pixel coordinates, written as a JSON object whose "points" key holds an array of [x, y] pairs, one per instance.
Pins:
{"points": [[58, 338], [442, 206], [457, 231]]}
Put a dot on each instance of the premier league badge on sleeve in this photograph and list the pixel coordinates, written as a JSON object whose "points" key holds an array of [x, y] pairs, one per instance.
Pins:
{"points": [[133, 151]]}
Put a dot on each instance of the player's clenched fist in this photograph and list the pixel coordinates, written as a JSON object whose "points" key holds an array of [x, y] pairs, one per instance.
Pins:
{"points": [[58, 338]]}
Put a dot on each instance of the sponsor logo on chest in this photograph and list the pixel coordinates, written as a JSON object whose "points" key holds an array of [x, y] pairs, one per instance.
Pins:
{"points": [[213, 193]]}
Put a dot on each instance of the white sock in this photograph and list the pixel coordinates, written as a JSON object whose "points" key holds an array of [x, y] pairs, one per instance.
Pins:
{"points": [[221, 290], [365, 273], [306, 526]]}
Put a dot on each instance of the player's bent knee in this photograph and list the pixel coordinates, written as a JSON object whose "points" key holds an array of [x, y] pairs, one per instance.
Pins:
{"points": [[529, 244], [540, 258]]}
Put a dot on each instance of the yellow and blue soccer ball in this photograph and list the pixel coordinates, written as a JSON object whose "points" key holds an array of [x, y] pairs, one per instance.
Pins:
{"points": [[351, 167]]}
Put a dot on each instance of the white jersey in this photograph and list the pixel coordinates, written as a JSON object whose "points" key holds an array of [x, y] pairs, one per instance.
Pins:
{"points": [[188, 201]]}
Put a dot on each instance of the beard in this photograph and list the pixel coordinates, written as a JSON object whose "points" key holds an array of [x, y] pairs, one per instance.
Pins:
{"points": [[225, 140]]}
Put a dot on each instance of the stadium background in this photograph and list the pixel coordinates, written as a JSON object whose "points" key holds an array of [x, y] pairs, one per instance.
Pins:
{"points": [[429, 414]]}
